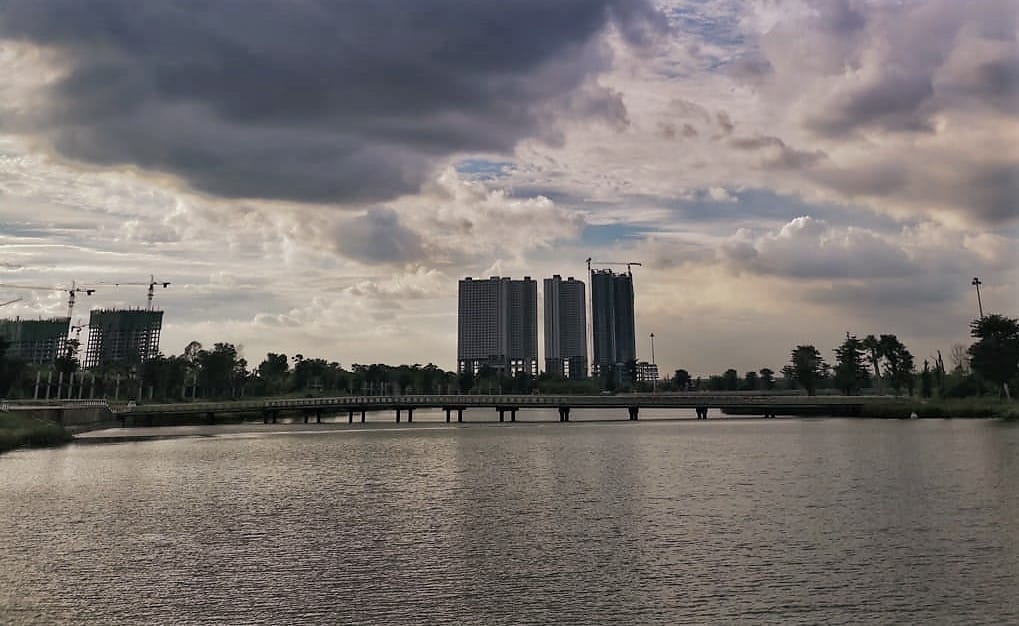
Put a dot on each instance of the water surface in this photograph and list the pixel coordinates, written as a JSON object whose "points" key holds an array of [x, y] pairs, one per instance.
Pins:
{"points": [[668, 522]]}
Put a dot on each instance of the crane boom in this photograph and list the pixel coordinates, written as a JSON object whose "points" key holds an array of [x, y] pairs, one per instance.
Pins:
{"points": [[151, 284], [72, 292]]}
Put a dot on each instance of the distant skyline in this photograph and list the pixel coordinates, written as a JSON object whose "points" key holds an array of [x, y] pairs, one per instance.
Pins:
{"points": [[316, 177]]}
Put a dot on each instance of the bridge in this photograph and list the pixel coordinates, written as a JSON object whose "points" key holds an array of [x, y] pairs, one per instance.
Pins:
{"points": [[506, 406]]}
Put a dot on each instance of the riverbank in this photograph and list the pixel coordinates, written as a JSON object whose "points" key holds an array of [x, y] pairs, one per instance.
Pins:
{"points": [[941, 408], [20, 431]]}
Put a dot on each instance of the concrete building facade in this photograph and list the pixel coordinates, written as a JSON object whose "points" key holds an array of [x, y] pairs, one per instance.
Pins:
{"points": [[122, 337], [497, 325], [35, 341], [612, 317], [565, 327]]}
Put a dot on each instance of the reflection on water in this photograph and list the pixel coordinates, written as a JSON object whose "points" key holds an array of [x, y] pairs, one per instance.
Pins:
{"points": [[793, 521]]}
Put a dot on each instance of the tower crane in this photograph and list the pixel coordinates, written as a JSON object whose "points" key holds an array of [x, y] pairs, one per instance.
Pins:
{"points": [[151, 285], [71, 292]]}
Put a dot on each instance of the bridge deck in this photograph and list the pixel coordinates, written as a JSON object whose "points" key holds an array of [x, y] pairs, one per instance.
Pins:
{"points": [[735, 401]]}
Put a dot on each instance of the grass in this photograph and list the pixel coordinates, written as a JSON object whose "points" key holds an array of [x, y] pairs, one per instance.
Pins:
{"points": [[948, 407], [19, 431]]}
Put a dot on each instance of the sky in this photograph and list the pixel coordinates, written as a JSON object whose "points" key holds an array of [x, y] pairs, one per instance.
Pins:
{"points": [[315, 176]]}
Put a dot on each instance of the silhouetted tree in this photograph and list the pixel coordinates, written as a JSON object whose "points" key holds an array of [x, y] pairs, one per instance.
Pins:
{"points": [[807, 368], [899, 364], [273, 371], [850, 373], [767, 378], [681, 379], [995, 354], [751, 382]]}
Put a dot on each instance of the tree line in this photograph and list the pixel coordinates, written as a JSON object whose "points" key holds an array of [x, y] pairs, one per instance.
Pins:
{"points": [[876, 363], [883, 364]]}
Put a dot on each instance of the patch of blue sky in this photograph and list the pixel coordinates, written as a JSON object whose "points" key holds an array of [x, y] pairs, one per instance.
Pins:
{"points": [[704, 19], [762, 205], [483, 169], [600, 235]]}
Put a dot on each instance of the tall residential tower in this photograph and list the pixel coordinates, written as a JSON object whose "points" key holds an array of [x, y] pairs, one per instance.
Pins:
{"points": [[498, 325], [565, 327], [613, 319]]}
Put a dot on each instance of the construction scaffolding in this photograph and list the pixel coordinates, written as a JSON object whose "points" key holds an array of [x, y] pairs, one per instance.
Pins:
{"points": [[35, 341], [122, 336]]}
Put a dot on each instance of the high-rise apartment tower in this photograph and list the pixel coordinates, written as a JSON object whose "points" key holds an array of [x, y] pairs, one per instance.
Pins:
{"points": [[565, 327], [497, 325], [612, 318]]}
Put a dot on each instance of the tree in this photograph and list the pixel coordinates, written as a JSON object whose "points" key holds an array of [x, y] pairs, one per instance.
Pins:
{"points": [[681, 379], [220, 369], [995, 354], [807, 368], [751, 382], [767, 378], [273, 371], [926, 388], [898, 364], [730, 380], [850, 373], [10, 368]]}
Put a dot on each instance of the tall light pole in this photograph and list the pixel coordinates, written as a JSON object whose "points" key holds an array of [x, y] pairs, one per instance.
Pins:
{"points": [[654, 381], [976, 283]]}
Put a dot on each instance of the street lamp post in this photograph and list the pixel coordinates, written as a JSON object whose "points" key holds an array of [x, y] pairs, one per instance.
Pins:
{"points": [[976, 283], [654, 381]]}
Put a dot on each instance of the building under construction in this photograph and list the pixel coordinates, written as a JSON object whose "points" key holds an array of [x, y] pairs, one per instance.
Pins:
{"points": [[35, 341], [122, 336]]}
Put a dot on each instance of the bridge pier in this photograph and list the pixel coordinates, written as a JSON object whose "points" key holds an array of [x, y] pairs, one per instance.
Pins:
{"points": [[702, 412], [634, 413], [501, 413], [210, 416], [350, 416], [397, 416], [362, 416], [564, 414], [513, 415], [275, 416], [410, 415], [318, 416], [459, 415], [448, 411]]}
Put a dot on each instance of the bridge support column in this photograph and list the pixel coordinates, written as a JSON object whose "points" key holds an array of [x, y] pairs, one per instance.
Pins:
{"points": [[362, 416], [634, 413], [350, 416], [275, 415], [397, 416], [459, 415], [318, 416], [410, 415], [448, 411], [502, 414], [564, 414], [210, 416], [702, 412], [513, 415]]}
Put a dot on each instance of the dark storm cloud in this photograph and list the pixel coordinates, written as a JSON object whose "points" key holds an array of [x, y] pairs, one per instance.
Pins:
{"points": [[317, 99]]}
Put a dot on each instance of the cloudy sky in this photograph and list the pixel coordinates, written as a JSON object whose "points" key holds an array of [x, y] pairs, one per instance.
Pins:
{"points": [[314, 176]]}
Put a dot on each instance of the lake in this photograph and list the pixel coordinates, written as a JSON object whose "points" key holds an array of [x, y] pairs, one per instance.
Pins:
{"points": [[788, 521]]}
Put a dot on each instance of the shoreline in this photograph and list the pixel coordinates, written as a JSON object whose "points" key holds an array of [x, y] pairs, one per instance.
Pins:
{"points": [[20, 431]]}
